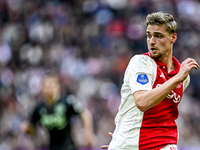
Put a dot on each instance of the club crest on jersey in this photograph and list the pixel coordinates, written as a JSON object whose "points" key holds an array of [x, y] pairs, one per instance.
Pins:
{"points": [[142, 79]]}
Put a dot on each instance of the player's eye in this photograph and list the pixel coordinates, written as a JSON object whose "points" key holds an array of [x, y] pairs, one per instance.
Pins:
{"points": [[148, 35], [158, 36]]}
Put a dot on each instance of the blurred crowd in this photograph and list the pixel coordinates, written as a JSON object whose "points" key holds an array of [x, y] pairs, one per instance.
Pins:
{"points": [[89, 44]]}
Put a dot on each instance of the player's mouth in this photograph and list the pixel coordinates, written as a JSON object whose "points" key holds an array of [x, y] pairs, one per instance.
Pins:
{"points": [[153, 50]]}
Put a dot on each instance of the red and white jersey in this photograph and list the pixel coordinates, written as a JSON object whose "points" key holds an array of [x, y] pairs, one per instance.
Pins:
{"points": [[156, 127]]}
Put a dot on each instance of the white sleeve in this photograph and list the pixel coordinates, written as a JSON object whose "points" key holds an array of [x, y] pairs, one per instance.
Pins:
{"points": [[141, 72], [186, 82]]}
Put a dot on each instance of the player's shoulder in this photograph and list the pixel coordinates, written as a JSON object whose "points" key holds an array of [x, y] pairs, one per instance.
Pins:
{"points": [[41, 103], [70, 99], [75, 103], [141, 59]]}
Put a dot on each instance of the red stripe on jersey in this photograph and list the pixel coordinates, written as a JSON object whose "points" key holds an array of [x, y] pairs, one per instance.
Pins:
{"points": [[158, 126]]}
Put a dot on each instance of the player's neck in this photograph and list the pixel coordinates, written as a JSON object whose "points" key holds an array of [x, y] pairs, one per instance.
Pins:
{"points": [[52, 100], [168, 61]]}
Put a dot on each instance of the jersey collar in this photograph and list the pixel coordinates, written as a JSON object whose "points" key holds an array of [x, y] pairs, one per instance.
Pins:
{"points": [[164, 67]]}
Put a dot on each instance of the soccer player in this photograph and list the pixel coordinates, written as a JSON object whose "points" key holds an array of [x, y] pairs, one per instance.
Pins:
{"points": [[152, 89], [55, 112]]}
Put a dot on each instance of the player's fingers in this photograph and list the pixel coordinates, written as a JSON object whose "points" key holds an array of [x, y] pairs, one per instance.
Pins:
{"points": [[188, 60], [110, 134], [196, 64], [104, 147], [190, 63], [193, 64]]}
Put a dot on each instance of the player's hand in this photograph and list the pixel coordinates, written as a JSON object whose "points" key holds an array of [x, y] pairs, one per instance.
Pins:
{"points": [[91, 142], [186, 67], [106, 146], [26, 127]]}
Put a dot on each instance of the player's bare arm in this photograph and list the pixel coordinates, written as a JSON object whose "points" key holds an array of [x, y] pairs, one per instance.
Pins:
{"points": [[87, 122], [147, 99]]}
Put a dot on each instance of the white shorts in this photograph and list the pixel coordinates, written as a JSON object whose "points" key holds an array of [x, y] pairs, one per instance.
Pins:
{"points": [[170, 147]]}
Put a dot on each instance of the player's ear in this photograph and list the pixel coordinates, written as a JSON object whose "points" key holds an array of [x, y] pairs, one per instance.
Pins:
{"points": [[174, 37]]}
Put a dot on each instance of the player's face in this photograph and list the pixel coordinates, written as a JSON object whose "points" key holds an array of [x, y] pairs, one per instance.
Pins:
{"points": [[159, 41], [51, 88]]}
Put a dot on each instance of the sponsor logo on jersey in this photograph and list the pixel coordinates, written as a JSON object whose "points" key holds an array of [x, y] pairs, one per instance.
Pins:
{"points": [[142, 79], [176, 98], [179, 85], [173, 95], [55, 120]]}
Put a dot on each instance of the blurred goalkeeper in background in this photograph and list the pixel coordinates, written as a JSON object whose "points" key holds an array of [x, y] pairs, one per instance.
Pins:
{"points": [[55, 112]]}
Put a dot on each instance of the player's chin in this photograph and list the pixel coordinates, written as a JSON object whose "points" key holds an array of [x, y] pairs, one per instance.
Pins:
{"points": [[155, 55]]}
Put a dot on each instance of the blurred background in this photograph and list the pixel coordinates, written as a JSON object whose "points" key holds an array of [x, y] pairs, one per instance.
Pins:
{"points": [[89, 44]]}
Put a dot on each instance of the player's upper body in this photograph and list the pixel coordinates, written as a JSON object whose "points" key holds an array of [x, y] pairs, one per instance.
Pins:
{"points": [[57, 119], [154, 128], [55, 113], [152, 88]]}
